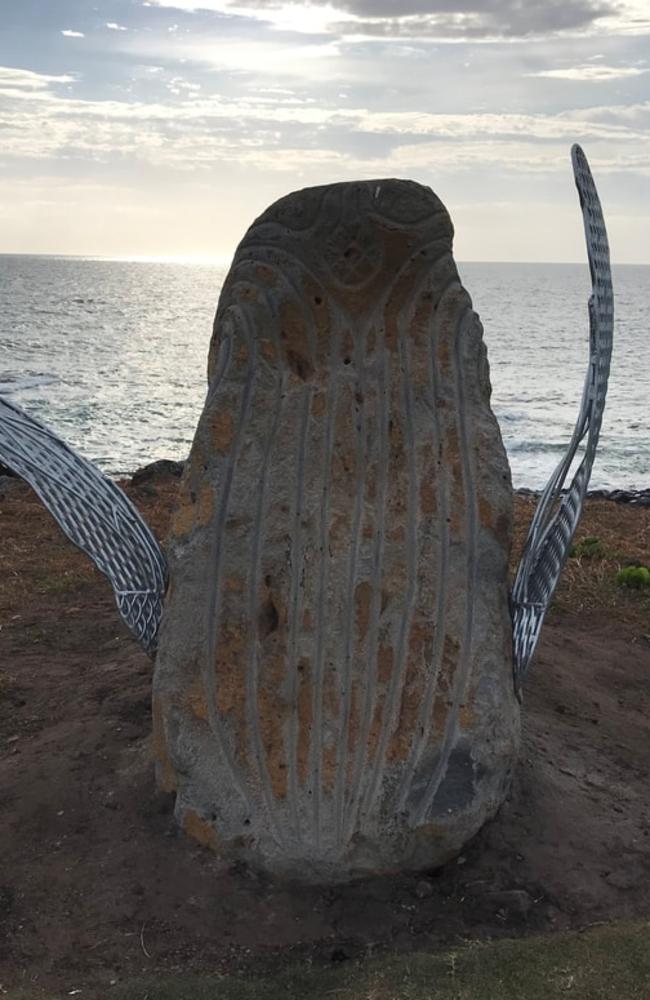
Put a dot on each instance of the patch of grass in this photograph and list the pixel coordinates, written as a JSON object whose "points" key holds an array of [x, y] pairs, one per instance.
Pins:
{"points": [[605, 963], [590, 547], [634, 577], [61, 583]]}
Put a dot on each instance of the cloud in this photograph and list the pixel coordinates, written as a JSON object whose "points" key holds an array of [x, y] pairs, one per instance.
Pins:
{"points": [[592, 74], [418, 18], [28, 80], [69, 33], [114, 26], [273, 133]]}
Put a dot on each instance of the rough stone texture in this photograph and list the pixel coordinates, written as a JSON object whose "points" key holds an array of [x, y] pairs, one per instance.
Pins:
{"points": [[333, 690]]}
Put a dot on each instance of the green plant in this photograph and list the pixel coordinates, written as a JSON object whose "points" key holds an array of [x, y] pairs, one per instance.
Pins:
{"points": [[590, 547], [634, 577]]}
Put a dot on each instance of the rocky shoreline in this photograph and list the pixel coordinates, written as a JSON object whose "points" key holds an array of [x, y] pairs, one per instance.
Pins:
{"points": [[636, 498], [169, 467]]}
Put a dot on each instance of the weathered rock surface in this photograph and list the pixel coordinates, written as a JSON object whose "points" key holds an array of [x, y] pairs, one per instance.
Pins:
{"points": [[333, 691]]}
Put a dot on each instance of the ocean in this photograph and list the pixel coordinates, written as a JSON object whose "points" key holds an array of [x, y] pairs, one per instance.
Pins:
{"points": [[112, 355]]}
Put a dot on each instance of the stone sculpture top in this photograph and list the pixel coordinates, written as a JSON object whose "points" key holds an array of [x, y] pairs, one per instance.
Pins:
{"points": [[333, 690]]}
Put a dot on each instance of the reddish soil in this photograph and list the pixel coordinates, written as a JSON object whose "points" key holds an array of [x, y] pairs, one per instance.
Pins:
{"points": [[96, 882]]}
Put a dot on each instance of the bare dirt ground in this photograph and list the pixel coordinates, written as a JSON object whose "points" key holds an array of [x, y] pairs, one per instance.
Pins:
{"points": [[97, 884]]}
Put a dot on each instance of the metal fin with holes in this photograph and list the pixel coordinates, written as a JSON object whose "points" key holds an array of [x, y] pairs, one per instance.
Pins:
{"points": [[558, 512], [94, 513]]}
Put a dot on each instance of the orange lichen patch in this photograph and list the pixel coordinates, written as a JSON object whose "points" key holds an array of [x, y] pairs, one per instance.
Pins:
{"points": [[295, 341], [420, 640], [331, 693], [329, 765], [503, 530], [268, 350], [343, 465], [441, 707], [396, 436], [397, 534], [196, 699], [199, 829], [363, 602], [242, 355], [401, 740], [423, 313], [266, 275], [450, 655], [165, 773], [307, 620], [230, 666], [198, 459], [316, 299], [247, 293], [486, 512], [194, 510], [339, 533], [420, 371], [273, 712], [443, 355], [368, 531], [233, 584], [223, 430], [385, 664], [467, 717], [304, 710], [428, 497], [319, 404]]}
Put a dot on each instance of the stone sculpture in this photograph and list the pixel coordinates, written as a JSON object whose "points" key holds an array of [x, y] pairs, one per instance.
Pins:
{"points": [[333, 688], [333, 692]]}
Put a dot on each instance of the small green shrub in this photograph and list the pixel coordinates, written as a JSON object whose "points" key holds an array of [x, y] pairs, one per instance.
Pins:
{"points": [[635, 577], [589, 548]]}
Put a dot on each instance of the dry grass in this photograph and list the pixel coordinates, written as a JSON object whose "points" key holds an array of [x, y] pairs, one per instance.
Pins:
{"points": [[588, 584]]}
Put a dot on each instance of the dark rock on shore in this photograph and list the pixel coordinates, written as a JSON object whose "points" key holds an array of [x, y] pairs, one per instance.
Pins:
{"points": [[163, 467], [636, 498]]}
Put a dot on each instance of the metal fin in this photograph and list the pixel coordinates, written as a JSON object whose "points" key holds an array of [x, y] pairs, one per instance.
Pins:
{"points": [[94, 513], [558, 512]]}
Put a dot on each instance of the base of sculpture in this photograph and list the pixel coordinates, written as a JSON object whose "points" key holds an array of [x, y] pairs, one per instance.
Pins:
{"points": [[333, 688]]}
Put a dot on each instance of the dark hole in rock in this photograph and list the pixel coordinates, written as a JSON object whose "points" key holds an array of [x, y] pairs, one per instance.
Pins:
{"points": [[269, 618]]}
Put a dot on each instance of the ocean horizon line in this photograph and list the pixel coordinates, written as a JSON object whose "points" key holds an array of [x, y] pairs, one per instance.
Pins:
{"points": [[218, 260]]}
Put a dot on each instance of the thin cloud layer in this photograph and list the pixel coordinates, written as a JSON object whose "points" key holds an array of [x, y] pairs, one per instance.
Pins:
{"points": [[179, 120], [470, 18]]}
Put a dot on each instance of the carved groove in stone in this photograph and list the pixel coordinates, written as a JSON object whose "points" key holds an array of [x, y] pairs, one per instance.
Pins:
{"points": [[333, 688]]}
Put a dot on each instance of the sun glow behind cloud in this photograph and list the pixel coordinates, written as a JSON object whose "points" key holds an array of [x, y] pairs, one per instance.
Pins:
{"points": [[163, 128]]}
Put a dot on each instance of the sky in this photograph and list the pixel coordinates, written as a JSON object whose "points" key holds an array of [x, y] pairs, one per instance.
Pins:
{"points": [[163, 128]]}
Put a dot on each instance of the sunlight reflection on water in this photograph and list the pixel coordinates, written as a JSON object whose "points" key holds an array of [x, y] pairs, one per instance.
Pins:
{"points": [[112, 354]]}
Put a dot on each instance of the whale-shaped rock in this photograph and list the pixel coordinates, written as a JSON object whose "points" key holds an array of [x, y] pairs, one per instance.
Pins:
{"points": [[333, 690]]}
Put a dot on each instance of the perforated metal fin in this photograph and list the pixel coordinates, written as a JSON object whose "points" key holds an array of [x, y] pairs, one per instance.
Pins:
{"points": [[94, 513], [558, 512]]}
